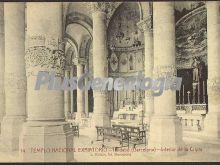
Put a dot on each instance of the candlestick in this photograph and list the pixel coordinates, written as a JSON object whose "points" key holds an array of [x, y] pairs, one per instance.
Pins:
{"points": [[194, 93], [198, 93], [188, 97], [203, 87], [183, 95]]}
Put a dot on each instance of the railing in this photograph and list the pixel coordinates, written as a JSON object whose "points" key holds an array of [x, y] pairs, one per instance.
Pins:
{"points": [[192, 116], [192, 108], [192, 122]]}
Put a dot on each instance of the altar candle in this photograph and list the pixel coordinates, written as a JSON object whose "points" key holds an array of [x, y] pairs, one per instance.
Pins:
{"points": [[198, 92], [183, 94], [188, 93], [203, 87]]}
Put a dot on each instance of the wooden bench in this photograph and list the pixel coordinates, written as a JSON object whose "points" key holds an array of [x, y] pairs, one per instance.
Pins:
{"points": [[109, 133], [126, 135], [136, 135], [99, 132]]}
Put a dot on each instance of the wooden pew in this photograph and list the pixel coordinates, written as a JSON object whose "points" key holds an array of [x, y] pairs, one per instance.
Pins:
{"points": [[109, 133], [136, 135], [126, 135]]}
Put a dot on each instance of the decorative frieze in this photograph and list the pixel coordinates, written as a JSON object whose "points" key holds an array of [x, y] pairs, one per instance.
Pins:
{"points": [[44, 54]]}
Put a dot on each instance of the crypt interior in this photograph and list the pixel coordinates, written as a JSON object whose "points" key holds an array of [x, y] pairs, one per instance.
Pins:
{"points": [[110, 39]]}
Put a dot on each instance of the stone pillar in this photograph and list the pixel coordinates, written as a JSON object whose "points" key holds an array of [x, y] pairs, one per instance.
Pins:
{"points": [[71, 95], [80, 96], [100, 114], [146, 26], [2, 63], [67, 101], [212, 120], [15, 80], [45, 127], [165, 127], [86, 94]]}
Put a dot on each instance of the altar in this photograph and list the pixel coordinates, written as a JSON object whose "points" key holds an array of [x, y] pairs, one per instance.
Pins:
{"points": [[129, 115]]}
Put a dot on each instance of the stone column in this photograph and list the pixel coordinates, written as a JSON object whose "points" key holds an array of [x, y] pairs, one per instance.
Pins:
{"points": [[86, 95], [45, 127], [15, 80], [212, 120], [67, 101], [100, 114], [2, 63], [146, 26], [80, 96], [165, 127], [71, 95]]}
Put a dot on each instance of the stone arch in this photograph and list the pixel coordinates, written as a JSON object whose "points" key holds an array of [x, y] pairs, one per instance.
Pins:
{"points": [[83, 46], [141, 5], [191, 14], [71, 41], [191, 34], [81, 19], [69, 55]]}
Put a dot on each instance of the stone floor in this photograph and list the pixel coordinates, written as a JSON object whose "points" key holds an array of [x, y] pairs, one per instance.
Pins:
{"points": [[206, 152]]}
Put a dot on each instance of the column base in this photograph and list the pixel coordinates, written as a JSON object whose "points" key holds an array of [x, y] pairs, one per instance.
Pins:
{"points": [[11, 128], [212, 126], [165, 136], [46, 142]]}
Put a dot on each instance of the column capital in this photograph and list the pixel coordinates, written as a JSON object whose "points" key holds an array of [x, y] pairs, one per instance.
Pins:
{"points": [[146, 24], [105, 7], [44, 53]]}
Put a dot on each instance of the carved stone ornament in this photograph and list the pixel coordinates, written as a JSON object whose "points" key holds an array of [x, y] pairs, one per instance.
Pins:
{"points": [[213, 86], [146, 24], [107, 7], [114, 62], [44, 54]]}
